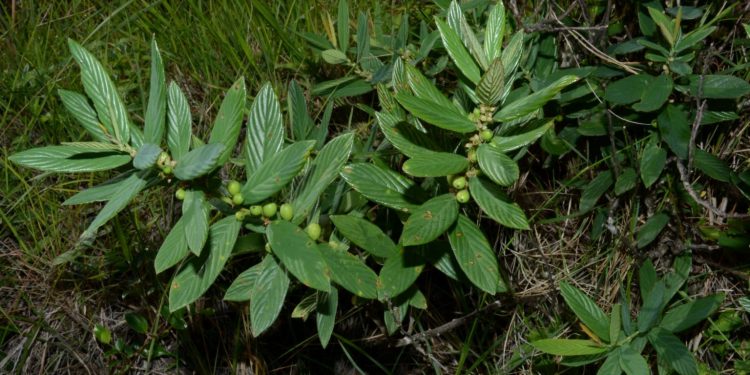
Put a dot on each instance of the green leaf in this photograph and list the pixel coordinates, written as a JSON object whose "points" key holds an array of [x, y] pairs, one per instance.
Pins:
{"points": [[491, 87], [448, 118], [404, 136], [228, 121], [594, 190], [299, 254], [195, 210], [137, 322], [324, 169], [424, 89], [457, 22], [173, 249], [626, 181], [301, 122], [198, 162], [535, 101], [611, 365], [673, 280], [350, 272], [717, 86], [488, 199], [430, 220], [267, 296], [692, 38], [587, 311], [689, 314], [103, 93], [129, 188], [632, 362], [627, 90], [651, 309], [647, 278], [665, 24], [306, 306], [99, 193], [652, 163], [399, 273], [365, 235], [651, 229], [265, 130], [655, 94], [383, 186], [435, 164], [460, 56], [342, 26], [325, 312], [199, 274], [494, 31], [512, 56], [69, 159], [615, 323], [514, 142], [156, 112], [179, 122], [334, 57], [276, 172], [146, 156], [497, 166], [363, 36], [79, 107], [568, 347], [712, 166], [241, 289], [672, 351], [474, 255]]}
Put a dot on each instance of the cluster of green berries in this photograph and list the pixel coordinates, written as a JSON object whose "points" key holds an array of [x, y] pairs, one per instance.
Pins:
{"points": [[165, 163], [460, 184]]}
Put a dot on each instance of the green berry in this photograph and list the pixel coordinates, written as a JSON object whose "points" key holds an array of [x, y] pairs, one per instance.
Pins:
{"points": [[256, 210], [167, 170], [234, 187], [486, 135], [180, 194], [459, 183], [239, 215], [313, 230], [472, 155], [463, 196], [270, 209], [237, 199], [286, 211], [268, 247]]}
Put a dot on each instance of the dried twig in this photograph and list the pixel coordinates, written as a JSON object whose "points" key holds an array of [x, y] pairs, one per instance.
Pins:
{"points": [[685, 178], [437, 331]]}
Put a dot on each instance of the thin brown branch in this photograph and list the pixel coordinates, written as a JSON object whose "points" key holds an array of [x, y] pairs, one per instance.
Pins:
{"points": [[437, 331], [685, 178]]}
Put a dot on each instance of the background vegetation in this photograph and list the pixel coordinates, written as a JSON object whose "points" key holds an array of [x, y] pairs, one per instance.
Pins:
{"points": [[102, 309]]}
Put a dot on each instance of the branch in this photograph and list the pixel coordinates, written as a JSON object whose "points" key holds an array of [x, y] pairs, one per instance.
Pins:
{"points": [[684, 177], [437, 331]]}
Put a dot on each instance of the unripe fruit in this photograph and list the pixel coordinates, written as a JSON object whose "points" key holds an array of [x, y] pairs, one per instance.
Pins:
{"points": [[270, 209], [180, 194], [463, 196], [486, 135], [286, 211], [234, 187], [167, 170], [313, 230], [268, 247], [237, 199], [239, 215], [472, 155], [256, 210], [459, 183]]}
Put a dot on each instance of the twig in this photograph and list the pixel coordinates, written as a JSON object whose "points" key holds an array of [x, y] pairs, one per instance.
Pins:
{"points": [[696, 124], [684, 177], [437, 331]]}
